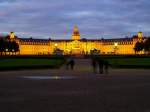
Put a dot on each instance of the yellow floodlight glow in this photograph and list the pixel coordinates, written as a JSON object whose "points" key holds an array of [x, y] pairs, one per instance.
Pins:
{"points": [[115, 44], [12, 35], [56, 45], [140, 35]]}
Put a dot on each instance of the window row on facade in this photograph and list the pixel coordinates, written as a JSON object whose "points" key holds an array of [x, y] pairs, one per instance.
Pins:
{"points": [[33, 43], [119, 43]]}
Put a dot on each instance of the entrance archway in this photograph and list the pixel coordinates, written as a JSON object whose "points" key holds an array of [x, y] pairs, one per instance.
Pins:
{"points": [[76, 51]]}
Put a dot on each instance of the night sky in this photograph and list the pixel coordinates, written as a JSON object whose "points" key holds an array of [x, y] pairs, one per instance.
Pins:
{"points": [[56, 18]]}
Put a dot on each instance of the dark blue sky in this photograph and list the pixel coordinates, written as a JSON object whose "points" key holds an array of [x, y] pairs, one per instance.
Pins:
{"points": [[56, 18]]}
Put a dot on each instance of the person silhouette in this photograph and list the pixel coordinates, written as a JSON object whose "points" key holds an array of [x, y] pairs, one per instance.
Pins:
{"points": [[101, 66], [106, 66], [72, 63], [94, 65], [67, 64]]}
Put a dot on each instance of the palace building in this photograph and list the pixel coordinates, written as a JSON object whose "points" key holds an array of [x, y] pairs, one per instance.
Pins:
{"points": [[76, 45]]}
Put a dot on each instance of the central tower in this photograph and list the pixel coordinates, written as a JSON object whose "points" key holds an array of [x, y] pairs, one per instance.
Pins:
{"points": [[12, 36], [75, 34], [140, 36]]}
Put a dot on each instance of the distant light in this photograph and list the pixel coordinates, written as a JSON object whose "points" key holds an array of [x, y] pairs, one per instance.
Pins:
{"points": [[115, 44], [56, 45], [6, 50], [57, 77]]}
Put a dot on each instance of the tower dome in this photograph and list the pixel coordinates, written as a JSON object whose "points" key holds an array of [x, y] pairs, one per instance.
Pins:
{"points": [[140, 36], [12, 36]]}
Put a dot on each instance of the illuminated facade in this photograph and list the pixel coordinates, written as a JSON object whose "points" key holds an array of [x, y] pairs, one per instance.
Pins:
{"points": [[76, 45]]}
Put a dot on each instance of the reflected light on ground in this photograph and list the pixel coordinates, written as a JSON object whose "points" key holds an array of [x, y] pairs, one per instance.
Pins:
{"points": [[48, 77]]}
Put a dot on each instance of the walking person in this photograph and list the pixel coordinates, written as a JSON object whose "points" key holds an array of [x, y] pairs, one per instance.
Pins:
{"points": [[101, 66], [106, 66], [94, 65], [72, 63], [67, 64]]}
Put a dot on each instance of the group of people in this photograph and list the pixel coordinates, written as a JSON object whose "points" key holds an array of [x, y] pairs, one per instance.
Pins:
{"points": [[70, 64], [100, 65]]}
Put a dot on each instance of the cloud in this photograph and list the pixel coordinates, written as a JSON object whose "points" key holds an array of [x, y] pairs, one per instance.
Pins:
{"points": [[45, 18]]}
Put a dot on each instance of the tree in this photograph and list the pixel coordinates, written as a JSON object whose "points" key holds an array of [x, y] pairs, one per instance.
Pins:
{"points": [[139, 46], [1, 46], [9, 46], [13, 44], [147, 46], [16, 47], [6, 46]]}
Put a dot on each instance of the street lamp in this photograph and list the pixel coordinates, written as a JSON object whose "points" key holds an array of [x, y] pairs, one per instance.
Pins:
{"points": [[56, 45]]}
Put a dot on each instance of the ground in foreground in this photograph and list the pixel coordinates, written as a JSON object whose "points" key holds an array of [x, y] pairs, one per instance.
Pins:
{"points": [[122, 90]]}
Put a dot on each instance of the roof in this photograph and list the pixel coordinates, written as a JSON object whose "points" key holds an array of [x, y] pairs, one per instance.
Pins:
{"points": [[117, 39], [33, 40], [70, 40]]}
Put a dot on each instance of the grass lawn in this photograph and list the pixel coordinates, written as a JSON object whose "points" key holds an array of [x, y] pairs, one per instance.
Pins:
{"points": [[127, 61], [130, 62], [23, 63]]}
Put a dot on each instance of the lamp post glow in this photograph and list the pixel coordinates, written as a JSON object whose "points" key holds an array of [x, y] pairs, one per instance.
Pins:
{"points": [[56, 45], [115, 47], [116, 44]]}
